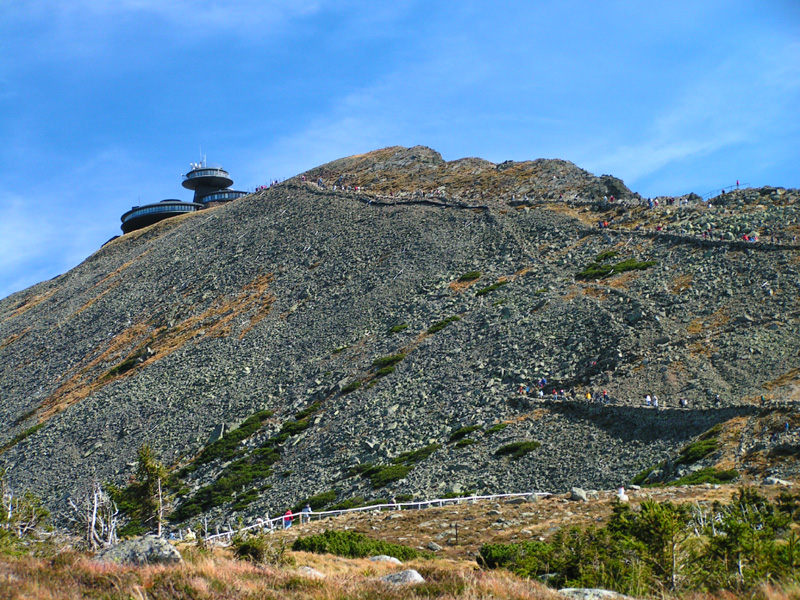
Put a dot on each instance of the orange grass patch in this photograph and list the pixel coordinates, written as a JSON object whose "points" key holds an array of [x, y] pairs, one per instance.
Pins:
{"points": [[785, 379], [681, 283], [254, 300], [28, 303]]}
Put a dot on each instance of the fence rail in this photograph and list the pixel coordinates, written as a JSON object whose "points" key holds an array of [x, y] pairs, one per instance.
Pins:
{"points": [[730, 188], [277, 522]]}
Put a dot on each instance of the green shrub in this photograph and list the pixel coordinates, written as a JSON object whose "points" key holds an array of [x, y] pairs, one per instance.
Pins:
{"points": [[388, 361], [404, 497], [236, 477], [316, 502], [463, 432], [398, 328], [596, 270], [604, 256], [294, 427], [339, 350], [123, 367], [21, 436], [442, 324], [351, 545], [707, 475], [354, 502], [351, 387], [261, 550], [697, 451], [496, 428], [517, 449], [307, 412], [415, 456], [469, 276], [641, 477], [388, 474], [664, 549], [489, 289], [384, 372], [227, 447], [464, 443]]}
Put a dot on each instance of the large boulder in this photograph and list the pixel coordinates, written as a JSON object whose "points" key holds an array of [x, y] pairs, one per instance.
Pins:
{"points": [[409, 576], [146, 550]]}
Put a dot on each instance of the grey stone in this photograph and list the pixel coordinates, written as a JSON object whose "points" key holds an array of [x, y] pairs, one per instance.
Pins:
{"points": [[578, 494], [142, 551], [433, 546], [310, 572], [386, 558], [407, 577]]}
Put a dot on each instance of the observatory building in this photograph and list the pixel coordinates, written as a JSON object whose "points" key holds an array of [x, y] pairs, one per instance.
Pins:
{"points": [[210, 185]]}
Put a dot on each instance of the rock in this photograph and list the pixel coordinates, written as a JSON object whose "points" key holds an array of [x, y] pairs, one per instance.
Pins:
{"points": [[578, 495], [386, 558], [591, 594], [776, 481], [408, 577], [217, 433], [516, 501], [433, 546], [310, 572], [146, 550]]}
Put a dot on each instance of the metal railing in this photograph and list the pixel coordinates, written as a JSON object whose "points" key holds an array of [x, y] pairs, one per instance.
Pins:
{"points": [[730, 188], [209, 172], [271, 524]]}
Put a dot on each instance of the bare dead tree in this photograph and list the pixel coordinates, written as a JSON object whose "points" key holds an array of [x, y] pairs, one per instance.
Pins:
{"points": [[96, 515], [22, 513]]}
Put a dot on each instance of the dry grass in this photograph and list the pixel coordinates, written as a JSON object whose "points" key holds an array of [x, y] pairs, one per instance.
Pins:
{"points": [[681, 283], [28, 303], [254, 301], [786, 379], [217, 577], [595, 292], [451, 574], [13, 338]]}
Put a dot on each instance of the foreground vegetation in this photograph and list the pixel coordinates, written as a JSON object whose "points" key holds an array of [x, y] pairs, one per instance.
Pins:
{"points": [[667, 547]]}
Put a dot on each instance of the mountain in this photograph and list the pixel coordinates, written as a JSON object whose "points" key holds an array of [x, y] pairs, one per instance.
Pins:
{"points": [[368, 337]]}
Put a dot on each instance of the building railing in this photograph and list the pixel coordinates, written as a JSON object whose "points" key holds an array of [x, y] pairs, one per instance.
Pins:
{"points": [[211, 172], [278, 522], [227, 195], [138, 212]]}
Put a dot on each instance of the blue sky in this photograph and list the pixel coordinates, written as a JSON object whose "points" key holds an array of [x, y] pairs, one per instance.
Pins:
{"points": [[103, 103]]}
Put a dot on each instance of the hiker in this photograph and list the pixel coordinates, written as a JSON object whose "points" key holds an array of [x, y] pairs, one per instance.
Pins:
{"points": [[393, 502], [655, 401], [305, 514], [606, 398], [648, 401], [717, 400], [287, 519], [588, 396]]}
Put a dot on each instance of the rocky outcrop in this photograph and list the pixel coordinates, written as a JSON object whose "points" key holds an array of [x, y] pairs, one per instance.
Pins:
{"points": [[286, 300], [147, 550]]}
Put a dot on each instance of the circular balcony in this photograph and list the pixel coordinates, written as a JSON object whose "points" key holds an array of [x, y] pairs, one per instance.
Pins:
{"points": [[142, 216], [221, 196], [209, 177]]}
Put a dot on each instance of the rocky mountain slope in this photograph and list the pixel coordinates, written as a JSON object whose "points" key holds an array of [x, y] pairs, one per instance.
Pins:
{"points": [[398, 307]]}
